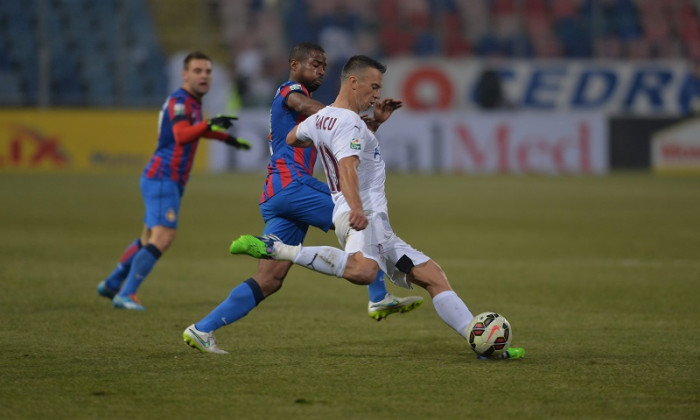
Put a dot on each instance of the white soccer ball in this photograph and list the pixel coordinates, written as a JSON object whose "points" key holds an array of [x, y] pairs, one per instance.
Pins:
{"points": [[489, 334]]}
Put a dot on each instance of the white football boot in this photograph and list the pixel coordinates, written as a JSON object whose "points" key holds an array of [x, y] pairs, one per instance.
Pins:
{"points": [[392, 304], [202, 341]]}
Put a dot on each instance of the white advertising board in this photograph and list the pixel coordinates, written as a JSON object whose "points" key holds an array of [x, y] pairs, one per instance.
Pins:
{"points": [[519, 143], [677, 148]]}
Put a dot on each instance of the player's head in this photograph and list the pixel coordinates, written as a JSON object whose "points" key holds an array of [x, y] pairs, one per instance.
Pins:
{"points": [[196, 74], [307, 65], [361, 79]]}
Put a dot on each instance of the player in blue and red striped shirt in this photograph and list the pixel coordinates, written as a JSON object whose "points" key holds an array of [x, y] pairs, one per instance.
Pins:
{"points": [[163, 180], [291, 201]]}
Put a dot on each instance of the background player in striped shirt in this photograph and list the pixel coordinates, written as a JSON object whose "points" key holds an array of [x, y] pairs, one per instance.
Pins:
{"points": [[163, 180], [291, 201]]}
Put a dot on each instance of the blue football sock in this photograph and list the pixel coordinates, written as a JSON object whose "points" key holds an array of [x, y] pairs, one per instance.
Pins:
{"points": [[114, 281], [143, 262], [377, 289], [242, 299]]}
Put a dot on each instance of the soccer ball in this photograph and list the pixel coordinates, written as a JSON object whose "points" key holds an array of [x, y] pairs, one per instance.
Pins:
{"points": [[489, 334]]}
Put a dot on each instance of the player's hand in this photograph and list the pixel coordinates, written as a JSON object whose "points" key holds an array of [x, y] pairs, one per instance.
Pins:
{"points": [[372, 124], [357, 219], [221, 122], [384, 108], [238, 143]]}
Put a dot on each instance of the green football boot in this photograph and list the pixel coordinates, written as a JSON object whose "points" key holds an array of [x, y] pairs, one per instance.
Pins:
{"points": [[255, 246], [510, 354]]}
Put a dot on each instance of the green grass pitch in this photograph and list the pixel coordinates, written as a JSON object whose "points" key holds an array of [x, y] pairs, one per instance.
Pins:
{"points": [[599, 277]]}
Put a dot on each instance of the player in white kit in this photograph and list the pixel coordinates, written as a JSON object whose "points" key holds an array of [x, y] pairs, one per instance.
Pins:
{"points": [[355, 172]]}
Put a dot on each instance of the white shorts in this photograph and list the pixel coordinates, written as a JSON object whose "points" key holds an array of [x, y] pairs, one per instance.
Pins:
{"points": [[378, 242]]}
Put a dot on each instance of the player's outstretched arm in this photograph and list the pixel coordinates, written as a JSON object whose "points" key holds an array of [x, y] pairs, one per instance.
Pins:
{"points": [[214, 128], [237, 143], [295, 141], [221, 122], [304, 104], [217, 128]]}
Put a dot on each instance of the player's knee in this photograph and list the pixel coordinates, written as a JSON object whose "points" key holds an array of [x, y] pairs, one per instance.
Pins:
{"points": [[429, 275], [360, 270], [162, 237]]}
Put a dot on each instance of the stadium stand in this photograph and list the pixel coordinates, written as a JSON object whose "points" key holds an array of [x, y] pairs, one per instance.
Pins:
{"points": [[97, 53], [85, 39]]}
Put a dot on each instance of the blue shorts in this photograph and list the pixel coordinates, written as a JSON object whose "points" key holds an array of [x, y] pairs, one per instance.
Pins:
{"points": [[303, 203], [162, 199]]}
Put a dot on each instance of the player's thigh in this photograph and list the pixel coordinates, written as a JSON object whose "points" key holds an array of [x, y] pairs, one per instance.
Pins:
{"points": [[303, 201], [430, 276], [313, 205], [288, 231], [361, 270], [162, 200]]}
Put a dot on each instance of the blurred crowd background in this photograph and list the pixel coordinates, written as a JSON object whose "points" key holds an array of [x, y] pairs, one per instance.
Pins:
{"points": [[115, 52]]}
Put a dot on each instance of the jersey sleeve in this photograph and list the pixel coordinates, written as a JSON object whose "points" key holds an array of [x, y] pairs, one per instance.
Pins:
{"points": [[177, 110], [183, 130], [348, 139], [287, 90], [303, 128]]}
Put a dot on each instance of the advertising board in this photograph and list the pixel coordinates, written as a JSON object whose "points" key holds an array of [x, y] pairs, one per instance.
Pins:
{"points": [[79, 140], [433, 142], [641, 88], [677, 149]]}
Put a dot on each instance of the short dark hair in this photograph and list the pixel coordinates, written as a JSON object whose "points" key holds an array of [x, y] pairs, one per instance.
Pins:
{"points": [[195, 55], [303, 50], [360, 62]]}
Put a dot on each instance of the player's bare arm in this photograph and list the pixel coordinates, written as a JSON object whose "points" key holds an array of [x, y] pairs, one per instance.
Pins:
{"points": [[350, 186], [303, 104], [295, 141]]}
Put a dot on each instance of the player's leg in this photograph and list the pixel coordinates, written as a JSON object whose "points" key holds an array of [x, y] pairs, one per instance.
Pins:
{"points": [[323, 259], [382, 303], [111, 285], [242, 299], [162, 201], [350, 265], [316, 209], [448, 305], [314, 206], [144, 260], [247, 295]]}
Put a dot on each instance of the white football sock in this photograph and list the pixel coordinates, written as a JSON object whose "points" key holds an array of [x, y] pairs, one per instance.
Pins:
{"points": [[453, 311], [282, 251], [324, 259]]}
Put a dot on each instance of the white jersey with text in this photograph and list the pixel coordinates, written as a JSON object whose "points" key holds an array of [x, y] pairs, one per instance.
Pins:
{"points": [[338, 133]]}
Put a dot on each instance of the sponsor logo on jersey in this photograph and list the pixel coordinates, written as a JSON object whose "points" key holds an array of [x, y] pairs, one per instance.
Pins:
{"points": [[295, 86], [355, 144], [179, 109]]}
